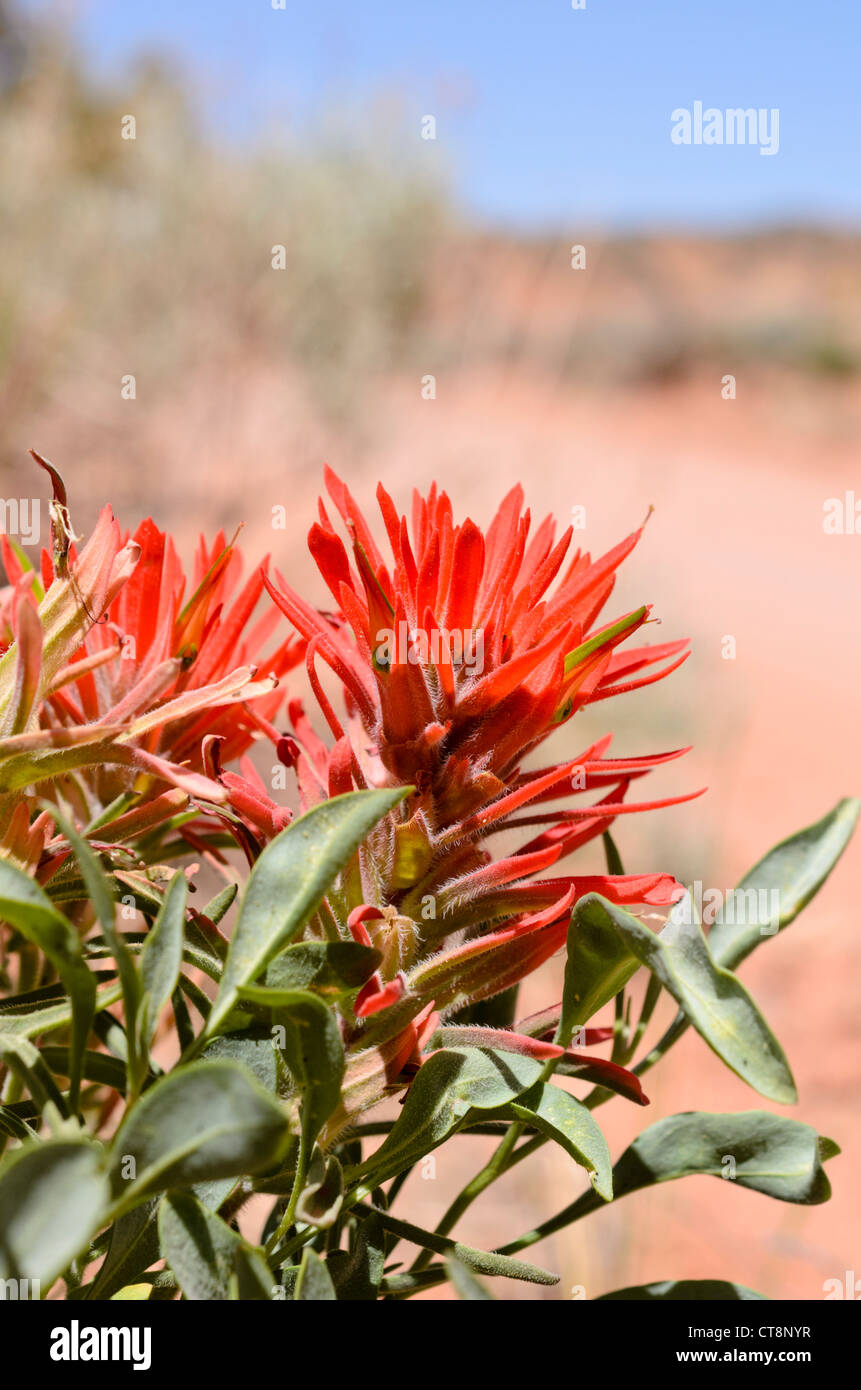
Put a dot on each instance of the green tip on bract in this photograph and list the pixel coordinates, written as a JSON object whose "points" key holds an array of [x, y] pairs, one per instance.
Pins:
{"points": [[603, 639]]}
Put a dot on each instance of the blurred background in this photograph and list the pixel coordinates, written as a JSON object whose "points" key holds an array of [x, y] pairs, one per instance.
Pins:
{"points": [[498, 266]]}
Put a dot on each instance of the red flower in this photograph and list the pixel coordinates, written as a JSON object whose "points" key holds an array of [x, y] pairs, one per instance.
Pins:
{"points": [[458, 659], [192, 659], [114, 671]]}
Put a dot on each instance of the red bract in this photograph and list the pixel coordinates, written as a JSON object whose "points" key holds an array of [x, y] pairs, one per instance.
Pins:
{"points": [[190, 657], [458, 658], [124, 672]]}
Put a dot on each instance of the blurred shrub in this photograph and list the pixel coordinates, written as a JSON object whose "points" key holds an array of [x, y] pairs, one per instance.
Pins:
{"points": [[157, 251]]}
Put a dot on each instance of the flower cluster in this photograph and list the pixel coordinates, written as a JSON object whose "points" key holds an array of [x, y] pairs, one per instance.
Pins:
{"points": [[123, 695], [455, 924]]}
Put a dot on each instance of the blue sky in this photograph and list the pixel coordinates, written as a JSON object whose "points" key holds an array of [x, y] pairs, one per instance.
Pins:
{"points": [[545, 115]]}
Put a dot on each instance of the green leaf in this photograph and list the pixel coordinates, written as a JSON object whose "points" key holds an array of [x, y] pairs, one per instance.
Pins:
{"points": [[161, 960], [53, 1197], [314, 1052], [28, 1064], [322, 1196], [328, 968], [100, 1067], [414, 1281], [253, 1049], [357, 1275], [565, 1120], [218, 907], [314, 1284], [12, 1124], [26, 906], [209, 1120], [599, 962], [464, 1282], [607, 944], [101, 896], [793, 871], [453, 1086], [42, 1010], [772, 1154], [611, 854], [134, 1246], [206, 1256], [685, 1290], [252, 1279], [288, 883], [481, 1261]]}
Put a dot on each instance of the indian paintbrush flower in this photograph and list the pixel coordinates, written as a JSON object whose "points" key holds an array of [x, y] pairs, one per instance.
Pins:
{"points": [[454, 923], [124, 694]]}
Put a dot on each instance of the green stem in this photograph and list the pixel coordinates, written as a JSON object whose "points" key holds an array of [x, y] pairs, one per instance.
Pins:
{"points": [[589, 1202], [620, 1028], [504, 1159], [650, 999], [302, 1162], [500, 1161], [494, 1168], [679, 1025]]}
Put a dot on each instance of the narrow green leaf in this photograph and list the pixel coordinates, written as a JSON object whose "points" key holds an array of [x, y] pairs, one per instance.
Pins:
{"points": [[414, 1282], [161, 959], [91, 872], [182, 1019], [12, 1124], [26, 906], [785, 879], [780, 1157], [481, 1261], [599, 962], [773, 1154], [684, 1290], [28, 1064], [328, 968], [102, 899], [254, 1049], [206, 1256], [288, 883], [52, 1198], [322, 1196], [611, 854], [209, 1120], [307, 1032], [252, 1279], [464, 1282], [43, 1010], [563, 1119], [97, 1066], [212, 942], [134, 1246], [453, 1085], [357, 1275], [314, 1284], [218, 907], [606, 944]]}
